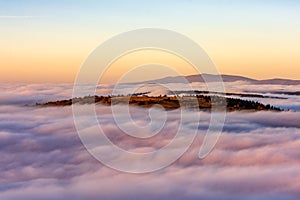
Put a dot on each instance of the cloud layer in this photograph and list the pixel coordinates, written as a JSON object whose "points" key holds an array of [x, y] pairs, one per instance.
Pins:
{"points": [[42, 157]]}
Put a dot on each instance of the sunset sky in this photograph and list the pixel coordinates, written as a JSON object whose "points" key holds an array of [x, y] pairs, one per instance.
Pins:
{"points": [[47, 41]]}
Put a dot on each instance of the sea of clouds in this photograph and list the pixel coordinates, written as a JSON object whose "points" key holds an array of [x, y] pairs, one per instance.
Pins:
{"points": [[42, 157]]}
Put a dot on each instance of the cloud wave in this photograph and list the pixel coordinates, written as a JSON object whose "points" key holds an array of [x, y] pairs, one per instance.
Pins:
{"points": [[42, 157]]}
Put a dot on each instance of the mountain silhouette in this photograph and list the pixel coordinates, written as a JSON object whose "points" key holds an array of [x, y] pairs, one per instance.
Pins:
{"points": [[226, 78]]}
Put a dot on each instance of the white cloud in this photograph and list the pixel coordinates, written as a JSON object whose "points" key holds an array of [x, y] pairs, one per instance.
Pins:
{"points": [[41, 156]]}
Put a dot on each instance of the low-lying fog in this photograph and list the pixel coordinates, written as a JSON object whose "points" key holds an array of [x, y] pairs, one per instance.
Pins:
{"points": [[42, 157]]}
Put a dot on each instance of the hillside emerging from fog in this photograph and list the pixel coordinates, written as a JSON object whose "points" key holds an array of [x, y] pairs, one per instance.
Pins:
{"points": [[226, 78], [149, 95], [202, 102]]}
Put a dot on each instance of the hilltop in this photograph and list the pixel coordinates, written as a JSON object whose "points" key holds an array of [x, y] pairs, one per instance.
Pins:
{"points": [[202, 102], [226, 78]]}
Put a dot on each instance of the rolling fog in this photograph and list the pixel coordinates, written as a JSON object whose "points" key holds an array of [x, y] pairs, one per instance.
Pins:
{"points": [[42, 157]]}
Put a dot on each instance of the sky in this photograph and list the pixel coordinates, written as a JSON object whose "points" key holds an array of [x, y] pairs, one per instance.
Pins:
{"points": [[47, 41]]}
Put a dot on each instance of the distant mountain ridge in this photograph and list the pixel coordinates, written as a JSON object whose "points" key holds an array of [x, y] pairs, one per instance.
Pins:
{"points": [[226, 78]]}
